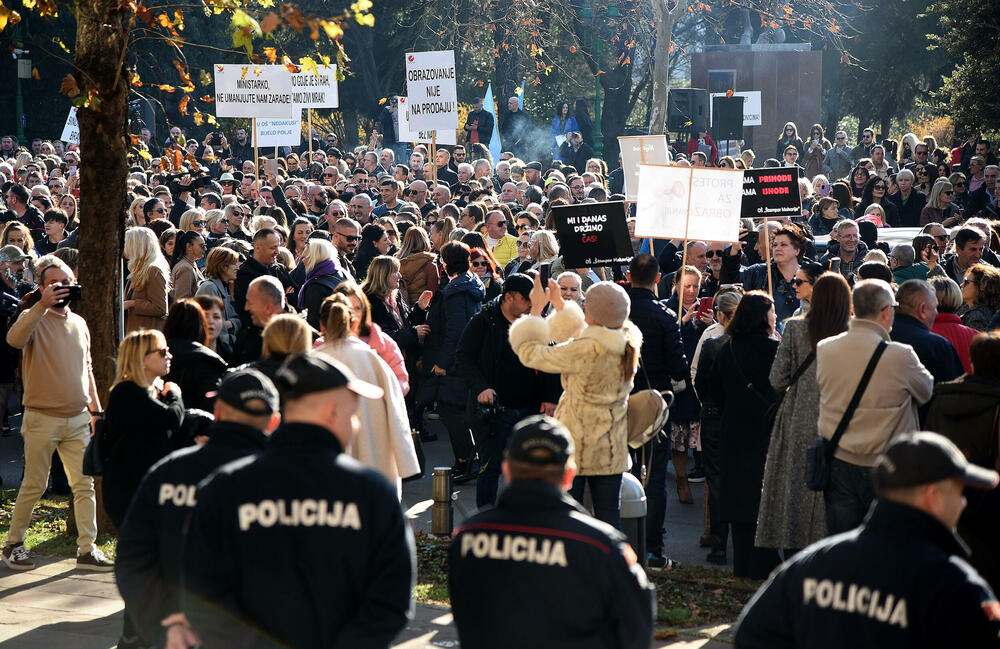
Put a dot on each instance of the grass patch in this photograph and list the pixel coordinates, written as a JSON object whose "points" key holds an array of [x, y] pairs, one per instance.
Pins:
{"points": [[692, 596], [47, 533]]}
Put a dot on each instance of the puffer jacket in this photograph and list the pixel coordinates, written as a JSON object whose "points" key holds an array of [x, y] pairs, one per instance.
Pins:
{"points": [[594, 402], [416, 272]]}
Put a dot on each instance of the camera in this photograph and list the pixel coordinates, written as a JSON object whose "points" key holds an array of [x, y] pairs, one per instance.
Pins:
{"points": [[486, 411], [8, 304]]}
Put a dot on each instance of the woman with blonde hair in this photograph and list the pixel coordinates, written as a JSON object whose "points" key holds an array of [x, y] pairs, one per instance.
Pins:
{"points": [[384, 440], [370, 333], [284, 335], [544, 248], [135, 212], [323, 274], [417, 264], [148, 287], [193, 220], [939, 208], [17, 234]]}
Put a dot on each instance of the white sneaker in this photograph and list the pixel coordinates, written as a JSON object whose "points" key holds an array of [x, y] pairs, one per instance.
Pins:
{"points": [[94, 560], [17, 557]]}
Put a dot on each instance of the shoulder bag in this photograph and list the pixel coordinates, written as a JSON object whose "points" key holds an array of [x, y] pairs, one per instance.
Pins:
{"points": [[820, 454], [95, 454], [772, 412]]}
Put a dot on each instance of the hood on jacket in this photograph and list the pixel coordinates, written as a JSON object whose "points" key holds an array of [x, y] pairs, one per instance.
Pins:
{"points": [[966, 396], [468, 283], [415, 262]]}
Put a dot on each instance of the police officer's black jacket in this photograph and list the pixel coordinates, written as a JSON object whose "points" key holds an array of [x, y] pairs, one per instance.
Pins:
{"points": [[147, 565], [662, 350], [299, 546], [896, 581], [538, 571]]}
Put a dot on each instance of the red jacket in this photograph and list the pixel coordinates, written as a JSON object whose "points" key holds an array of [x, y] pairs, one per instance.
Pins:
{"points": [[713, 159], [950, 327]]}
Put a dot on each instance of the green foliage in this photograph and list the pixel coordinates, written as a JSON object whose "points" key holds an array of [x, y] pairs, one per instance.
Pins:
{"points": [[47, 533]]}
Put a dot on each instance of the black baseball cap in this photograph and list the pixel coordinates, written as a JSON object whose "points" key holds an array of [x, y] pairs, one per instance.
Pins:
{"points": [[519, 283], [540, 433], [537, 166], [920, 458], [316, 372], [241, 386]]}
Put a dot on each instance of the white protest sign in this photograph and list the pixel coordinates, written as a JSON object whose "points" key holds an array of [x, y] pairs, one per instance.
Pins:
{"points": [[315, 89], [751, 106], [695, 203], [642, 149], [71, 131], [253, 91], [448, 136], [430, 85], [279, 132]]}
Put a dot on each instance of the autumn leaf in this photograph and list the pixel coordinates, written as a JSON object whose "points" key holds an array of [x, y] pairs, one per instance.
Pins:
{"points": [[381, 101], [289, 65], [307, 64], [185, 77], [204, 77], [293, 17], [58, 41], [536, 82], [572, 49], [270, 23], [166, 87], [69, 87], [182, 105], [135, 80], [517, 91], [207, 99], [34, 74], [179, 19], [29, 4], [164, 21], [271, 53], [332, 29], [729, 94], [8, 17], [199, 119]]}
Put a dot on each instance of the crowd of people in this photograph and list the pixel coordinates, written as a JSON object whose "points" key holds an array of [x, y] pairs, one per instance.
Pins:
{"points": [[353, 296]]}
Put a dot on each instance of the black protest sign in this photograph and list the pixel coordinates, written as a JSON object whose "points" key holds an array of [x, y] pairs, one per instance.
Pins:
{"points": [[771, 193], [593, 234]]}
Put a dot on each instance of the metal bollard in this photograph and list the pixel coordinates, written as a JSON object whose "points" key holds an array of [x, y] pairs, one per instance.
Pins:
{"points": [[442, 514], [633, 513]]}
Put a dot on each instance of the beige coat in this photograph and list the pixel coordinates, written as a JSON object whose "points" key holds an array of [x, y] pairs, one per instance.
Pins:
{"points": [[151, 303], [889, 406], [383, 441], [594, 402], [186, 277]]}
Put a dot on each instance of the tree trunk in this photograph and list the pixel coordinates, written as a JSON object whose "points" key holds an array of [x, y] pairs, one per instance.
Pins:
{"points": [[617, 88], [505, 65], [101, 41], [665, 20]]}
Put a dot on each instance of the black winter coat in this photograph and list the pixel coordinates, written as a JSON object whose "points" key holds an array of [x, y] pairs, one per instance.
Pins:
{"points": [[662, 351], [137, 434], [449, 312], [745, 430], [686, 406], [196, 370]]}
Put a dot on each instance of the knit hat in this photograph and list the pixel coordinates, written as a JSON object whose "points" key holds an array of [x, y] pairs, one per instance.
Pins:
{"points": [[607, 304]]}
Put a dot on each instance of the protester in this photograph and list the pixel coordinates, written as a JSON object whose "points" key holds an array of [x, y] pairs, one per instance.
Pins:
{"points": [[900, 579], [417, 265], [220, 272], [550, 550], [787, 248], [147, 291], [195, 368], [55, 343], [185, 274], [322, 275], [981, 296], [348, 514], [596, 356], [886, 408], [364, 328], [947, 324], [915, 312]]}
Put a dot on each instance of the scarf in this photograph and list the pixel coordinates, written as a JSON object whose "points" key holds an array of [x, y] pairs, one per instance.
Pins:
{"points": [[325, 267]]}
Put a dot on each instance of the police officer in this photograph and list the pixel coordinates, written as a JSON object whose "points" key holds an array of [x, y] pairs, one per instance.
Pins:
{"points": [[148, 557], [898, 580], [538, 571], [300, 546]]}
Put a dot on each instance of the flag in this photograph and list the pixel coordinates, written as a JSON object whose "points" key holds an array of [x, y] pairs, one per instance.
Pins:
{"points": [[520, 98], [490, 107]]}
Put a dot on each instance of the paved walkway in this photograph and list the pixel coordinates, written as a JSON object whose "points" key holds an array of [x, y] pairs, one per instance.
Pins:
{"points": [[55, 605]]}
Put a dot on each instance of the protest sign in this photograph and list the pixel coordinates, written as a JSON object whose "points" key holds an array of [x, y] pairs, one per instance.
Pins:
{"points": [[593, 234], [694, 203], [71, 131], [751, 106], [642, 149], [430, 85], [315, 89], [279, 132], [447, 136], [771, 193], [253, 91]]}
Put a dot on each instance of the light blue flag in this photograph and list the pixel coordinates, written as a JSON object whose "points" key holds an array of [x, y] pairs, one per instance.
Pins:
{"points": [[490, 107], [520, 98]]}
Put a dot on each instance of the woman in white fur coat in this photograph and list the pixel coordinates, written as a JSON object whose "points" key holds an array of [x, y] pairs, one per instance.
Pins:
{"points": [[383, 441], [595, 354]]}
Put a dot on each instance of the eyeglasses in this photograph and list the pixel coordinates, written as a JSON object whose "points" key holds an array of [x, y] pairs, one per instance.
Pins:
{"points": [[947, 192], [965, 280], [959, 184], [841, 137], [798, 281], [198, 224], [337, 213], [920, 152], [480, 264], [879, 187], [160, 210], [350, 237], [328, 175], [162, 351], [523, 244]]}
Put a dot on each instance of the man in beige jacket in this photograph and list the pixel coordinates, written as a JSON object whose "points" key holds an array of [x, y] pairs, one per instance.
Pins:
{"points": [[888, 407]]}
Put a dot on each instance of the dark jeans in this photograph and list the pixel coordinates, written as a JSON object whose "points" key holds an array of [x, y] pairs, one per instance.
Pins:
{"points": [[606, 492], [710, 451], [491, 442], [453, 419], [750, 561], [850, 495], [657, 455]]}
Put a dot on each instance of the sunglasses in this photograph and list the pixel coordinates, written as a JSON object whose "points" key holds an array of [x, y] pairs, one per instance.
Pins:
{"points": [[328, 175], [947, 192], [350, 237], [500, 224], [922, 173], [337, 214], [480, 264], [523, 244], [798, 281], [879, 187], [162, 351], [940, 237], [198, 224], [959, 184], [712, 253]]}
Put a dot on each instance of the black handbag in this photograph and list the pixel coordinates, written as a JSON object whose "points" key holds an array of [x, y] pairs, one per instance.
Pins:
{"points": [[820, 454], [93, 457]]}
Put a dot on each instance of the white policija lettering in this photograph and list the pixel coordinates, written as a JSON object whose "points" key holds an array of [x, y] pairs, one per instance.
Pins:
{"points": [[181, 495], [299, 513], [515, 548], [861, 600]]}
